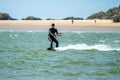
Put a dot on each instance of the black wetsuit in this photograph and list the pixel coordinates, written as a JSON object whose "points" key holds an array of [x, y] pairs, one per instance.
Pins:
{"points": [[52, 36]]}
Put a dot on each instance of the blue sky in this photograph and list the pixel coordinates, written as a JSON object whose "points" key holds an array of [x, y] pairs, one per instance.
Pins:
{"points": [[56, 9]]}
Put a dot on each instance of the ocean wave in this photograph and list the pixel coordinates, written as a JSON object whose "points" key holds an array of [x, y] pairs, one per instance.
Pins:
{"points": [[100, 47]]}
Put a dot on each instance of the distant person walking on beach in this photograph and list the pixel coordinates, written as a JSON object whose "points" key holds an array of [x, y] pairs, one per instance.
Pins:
{"points": [[95, 21], [72, 21], [53, 32]]}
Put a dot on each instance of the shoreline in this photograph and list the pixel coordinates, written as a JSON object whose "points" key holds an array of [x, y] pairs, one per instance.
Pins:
{"points": [[62, 29], [62, 25]]}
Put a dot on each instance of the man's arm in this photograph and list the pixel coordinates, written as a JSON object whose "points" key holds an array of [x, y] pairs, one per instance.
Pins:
{"points": [[57, 32]]}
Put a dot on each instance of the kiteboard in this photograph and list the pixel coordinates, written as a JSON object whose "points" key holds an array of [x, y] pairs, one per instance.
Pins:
{"points": [[51, 49]]}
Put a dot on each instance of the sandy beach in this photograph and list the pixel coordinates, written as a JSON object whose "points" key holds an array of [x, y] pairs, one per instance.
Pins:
{"points": [[43, 25]]}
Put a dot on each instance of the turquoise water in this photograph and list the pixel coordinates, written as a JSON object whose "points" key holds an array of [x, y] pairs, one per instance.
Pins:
{"points": [[81, 56]]}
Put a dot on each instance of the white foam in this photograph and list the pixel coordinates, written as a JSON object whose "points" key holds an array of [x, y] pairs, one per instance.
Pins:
{"points": [[117, 41], [30, 31], [102, 41], [99, 47]]}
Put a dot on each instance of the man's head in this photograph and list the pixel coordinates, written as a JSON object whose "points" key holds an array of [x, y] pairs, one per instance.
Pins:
{"points": [[52, 25]]}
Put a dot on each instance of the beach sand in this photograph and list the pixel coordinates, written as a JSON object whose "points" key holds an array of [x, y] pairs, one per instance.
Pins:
{"points": [[63, 25]]}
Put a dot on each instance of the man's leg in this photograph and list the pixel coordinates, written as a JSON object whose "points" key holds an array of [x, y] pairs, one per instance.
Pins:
{"points": [[51, 44], [57, 44]]}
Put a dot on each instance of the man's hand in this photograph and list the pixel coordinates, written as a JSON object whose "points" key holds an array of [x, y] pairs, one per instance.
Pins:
{"points": [[59, 34]]}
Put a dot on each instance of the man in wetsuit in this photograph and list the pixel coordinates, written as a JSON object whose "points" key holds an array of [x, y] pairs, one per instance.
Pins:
{"points": [[53, 32]]}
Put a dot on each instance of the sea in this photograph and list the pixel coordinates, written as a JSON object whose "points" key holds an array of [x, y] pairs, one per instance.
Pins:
{"points": [[80, 56]]}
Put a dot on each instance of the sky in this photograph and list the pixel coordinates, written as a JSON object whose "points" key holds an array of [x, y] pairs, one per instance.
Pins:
{"points": [[55, 9]]}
